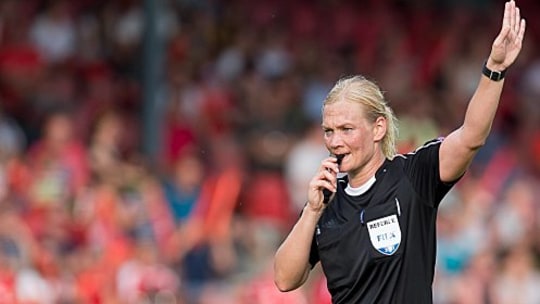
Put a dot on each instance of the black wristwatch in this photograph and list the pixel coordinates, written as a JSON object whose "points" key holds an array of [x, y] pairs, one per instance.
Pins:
{"points": [[493, 75]]}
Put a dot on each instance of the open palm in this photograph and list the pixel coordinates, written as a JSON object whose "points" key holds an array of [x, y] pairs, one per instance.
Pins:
{"points": [[507, 44]]}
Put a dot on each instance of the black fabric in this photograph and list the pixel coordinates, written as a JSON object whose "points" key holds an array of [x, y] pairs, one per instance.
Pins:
{"points": [[407, 188]]}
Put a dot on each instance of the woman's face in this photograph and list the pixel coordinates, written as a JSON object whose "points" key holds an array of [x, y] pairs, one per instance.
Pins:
{"points": [[348, 132]]}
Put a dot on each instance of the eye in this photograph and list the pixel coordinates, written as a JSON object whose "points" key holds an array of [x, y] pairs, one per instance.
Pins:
{"points": [[347, 130], [328, 132]]}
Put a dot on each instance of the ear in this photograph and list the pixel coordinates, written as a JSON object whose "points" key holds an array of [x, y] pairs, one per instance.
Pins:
{"points": [[379, 128]]}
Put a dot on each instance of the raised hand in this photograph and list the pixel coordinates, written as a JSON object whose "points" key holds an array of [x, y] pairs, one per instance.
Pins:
{"points": [[507, 44]]}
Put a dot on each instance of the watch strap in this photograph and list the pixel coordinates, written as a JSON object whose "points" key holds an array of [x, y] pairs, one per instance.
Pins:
{"points": [[493, 75]]}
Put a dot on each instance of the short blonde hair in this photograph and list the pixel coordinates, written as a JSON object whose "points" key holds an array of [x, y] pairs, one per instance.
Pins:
{"points": [[369, 95]]}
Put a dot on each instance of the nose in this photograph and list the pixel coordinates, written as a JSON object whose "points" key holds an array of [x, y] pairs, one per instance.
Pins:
{"points": [[334, 141]]}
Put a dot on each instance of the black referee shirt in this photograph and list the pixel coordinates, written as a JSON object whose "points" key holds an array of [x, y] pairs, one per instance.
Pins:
{"points": [[380, 246]]}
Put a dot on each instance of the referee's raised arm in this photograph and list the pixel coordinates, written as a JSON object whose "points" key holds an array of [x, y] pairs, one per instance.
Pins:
{"points": [[459, 148]]}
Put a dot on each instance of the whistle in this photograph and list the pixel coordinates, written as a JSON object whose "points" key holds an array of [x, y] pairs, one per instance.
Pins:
{"points": [[327, 193]]}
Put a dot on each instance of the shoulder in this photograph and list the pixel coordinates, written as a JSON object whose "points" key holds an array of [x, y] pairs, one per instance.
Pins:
{"points": [[423, 159], [431, 146]]}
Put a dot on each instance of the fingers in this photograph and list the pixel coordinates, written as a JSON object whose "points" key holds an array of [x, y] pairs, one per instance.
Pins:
{"points": [[517, 19], [330, 164], [518, 27], [513, 26], [328, 174], [329, 180], [521, 32], [326, 178], [511, 8], [512, 17], [508, 19]]}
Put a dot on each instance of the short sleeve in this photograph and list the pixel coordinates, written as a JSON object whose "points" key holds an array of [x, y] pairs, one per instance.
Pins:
{"points": [[422, 169]]}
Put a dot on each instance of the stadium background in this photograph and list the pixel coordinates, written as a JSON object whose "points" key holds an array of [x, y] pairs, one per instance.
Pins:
{"points": [[158, 151]]}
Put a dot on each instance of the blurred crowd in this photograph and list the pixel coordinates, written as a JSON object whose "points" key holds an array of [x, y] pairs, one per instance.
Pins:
{"points": [[86, 217]]}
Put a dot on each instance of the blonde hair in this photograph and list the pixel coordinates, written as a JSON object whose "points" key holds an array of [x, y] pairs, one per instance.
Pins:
{"points": [[369, 95]]}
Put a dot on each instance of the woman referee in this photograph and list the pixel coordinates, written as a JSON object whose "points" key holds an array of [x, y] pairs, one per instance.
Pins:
{"points": [[375, 238]]}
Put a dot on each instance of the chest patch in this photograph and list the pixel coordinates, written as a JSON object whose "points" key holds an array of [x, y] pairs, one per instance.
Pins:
{"points": [[385, 234]]}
